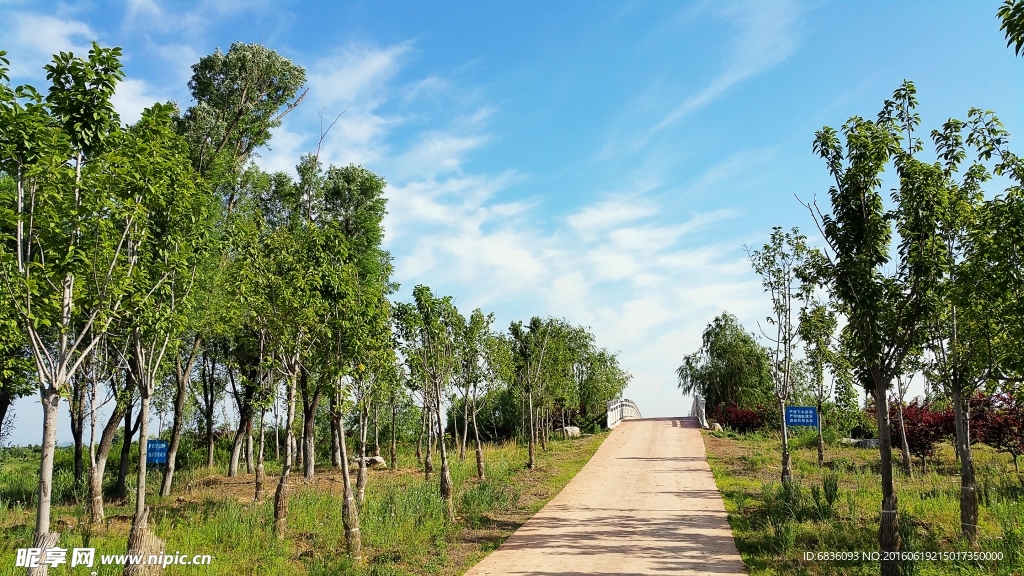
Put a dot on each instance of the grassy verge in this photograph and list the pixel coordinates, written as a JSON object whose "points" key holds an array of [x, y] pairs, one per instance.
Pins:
{"points": [[402, 519], [774, 527]]}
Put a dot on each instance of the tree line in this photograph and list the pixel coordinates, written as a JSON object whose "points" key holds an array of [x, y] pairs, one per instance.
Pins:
{"points": [[924, 282], [153, 268]]}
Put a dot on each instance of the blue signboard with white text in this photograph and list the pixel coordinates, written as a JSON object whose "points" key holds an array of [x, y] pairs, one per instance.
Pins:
{"points": [[801, 416], [156, 452]]}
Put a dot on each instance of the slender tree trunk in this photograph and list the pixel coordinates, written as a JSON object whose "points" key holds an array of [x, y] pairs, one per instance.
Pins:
{"points": [[249, 457], [821, 440], [259, 459], [121, 486], [787, 466], [544, 429], [99, 464], [455, 430], [277, 427], [419, 437], [51, 404], [182, 373], [361, 477], [394, 436], [140, 483], [281, 495], [428, 459], [335, 447], [310, 401], [236, 445], [533, 433], [908, 468], [888, 532], [349, 510], [465, 426], [968, 494], [77, 411], [479, 449], [446, 479], [376, 430]]}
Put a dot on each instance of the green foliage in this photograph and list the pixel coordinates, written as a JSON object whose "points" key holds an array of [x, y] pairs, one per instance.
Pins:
{"points": [[239, 97], [1011, 14], [729, 367]]}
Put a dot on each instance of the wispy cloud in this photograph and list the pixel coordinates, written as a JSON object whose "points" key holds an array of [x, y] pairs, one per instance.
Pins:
{"points": [[766, 36]]}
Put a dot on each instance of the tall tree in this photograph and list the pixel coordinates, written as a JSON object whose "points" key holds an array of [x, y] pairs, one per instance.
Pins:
{"points": [[69, 268], [783, 263], [885, 302], [429, 328], [817, 329]]}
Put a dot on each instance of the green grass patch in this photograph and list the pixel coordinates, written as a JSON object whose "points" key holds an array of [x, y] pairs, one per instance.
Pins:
{"points": [[403, 524], [836, 508]]}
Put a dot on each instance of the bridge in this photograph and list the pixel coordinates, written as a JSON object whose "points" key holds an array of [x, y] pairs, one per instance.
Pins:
{"points": [[645, 503]]}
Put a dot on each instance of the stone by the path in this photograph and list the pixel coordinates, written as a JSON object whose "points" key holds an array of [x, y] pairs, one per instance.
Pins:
{"points": [[371, 462], [569, 431]]}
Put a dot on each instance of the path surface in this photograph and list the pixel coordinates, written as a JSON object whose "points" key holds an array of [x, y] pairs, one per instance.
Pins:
{"points": [[646, 503]]}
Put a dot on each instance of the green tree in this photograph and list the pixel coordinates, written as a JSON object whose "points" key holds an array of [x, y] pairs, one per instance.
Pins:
{"points": [[817, 329], [528, 347], [166, 240], [730, 366], [429, 331], [783, 263], [1011, 15], [886, 302], [65, 267]]}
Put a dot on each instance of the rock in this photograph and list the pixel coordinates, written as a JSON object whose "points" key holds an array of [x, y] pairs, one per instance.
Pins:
{"points": [[372, 462], [716, 427], [860, 442], [569, 431]]}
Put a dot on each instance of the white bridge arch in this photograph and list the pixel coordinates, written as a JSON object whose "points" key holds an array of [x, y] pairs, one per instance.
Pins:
{"points": [[621, 409]]}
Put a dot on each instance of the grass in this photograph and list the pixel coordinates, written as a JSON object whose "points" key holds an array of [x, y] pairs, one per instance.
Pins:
{"points": [[402, 520], [836, 508]]}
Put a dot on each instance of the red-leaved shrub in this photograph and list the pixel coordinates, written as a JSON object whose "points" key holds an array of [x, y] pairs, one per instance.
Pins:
{"points": [[741, 420]]}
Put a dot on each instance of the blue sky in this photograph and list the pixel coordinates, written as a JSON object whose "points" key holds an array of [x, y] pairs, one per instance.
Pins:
{"points": [[601, 161]]}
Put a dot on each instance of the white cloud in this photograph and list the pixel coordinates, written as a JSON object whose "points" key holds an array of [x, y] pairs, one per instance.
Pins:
{"points": [[766, 36], [131, 98], [32, 39]]}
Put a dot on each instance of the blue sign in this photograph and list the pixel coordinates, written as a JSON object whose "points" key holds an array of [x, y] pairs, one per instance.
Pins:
{"points": [[156, 452], [801, 416]]}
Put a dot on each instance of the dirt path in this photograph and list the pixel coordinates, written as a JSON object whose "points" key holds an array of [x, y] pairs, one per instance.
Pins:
{"points": [[646, 503]]}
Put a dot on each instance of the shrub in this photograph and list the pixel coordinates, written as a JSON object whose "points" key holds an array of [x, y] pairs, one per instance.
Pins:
{"points": [[743, 420], [925, 427], [864, 425], [1003, 426]]}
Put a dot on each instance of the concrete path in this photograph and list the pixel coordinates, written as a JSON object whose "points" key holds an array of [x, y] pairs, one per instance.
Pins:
{"points": [[646, 503]]}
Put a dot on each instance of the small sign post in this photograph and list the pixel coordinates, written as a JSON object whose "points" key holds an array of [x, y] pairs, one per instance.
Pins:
{"points": [[156, 452], [801, 416]]}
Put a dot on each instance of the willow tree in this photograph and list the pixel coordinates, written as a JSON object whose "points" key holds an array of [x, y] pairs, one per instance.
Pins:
{"points": [[730, 366], [886, 301]]}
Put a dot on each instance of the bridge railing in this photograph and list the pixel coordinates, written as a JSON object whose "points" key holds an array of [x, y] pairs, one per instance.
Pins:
{"points": [[621, 409], [697, 411]]}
